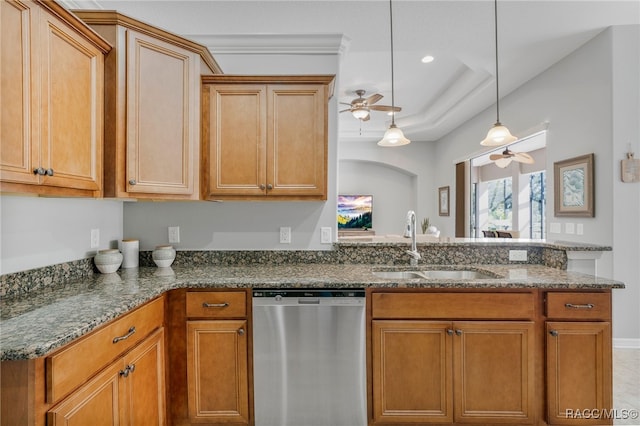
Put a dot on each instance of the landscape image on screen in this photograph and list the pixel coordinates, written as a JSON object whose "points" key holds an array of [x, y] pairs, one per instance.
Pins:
{"points": [[354, 211]]}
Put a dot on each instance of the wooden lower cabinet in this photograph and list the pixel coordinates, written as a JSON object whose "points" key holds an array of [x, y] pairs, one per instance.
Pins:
{"points": [[130, 391], [579, 372], [442, 372], [217, 372]]}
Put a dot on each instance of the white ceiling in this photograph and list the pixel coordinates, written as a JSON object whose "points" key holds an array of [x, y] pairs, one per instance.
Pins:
{"points": [[435, 98]]}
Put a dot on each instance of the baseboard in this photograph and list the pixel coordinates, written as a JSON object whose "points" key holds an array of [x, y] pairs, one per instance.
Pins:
{"points": [[626, 343]]}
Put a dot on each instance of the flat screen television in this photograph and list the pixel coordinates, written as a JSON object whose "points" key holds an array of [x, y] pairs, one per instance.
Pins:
{"points": [[355, 211]]}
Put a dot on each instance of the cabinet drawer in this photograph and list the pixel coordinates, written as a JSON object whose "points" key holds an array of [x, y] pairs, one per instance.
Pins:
{"points": [[453, 305], [568, 305], [216, 304], [75, 363]]}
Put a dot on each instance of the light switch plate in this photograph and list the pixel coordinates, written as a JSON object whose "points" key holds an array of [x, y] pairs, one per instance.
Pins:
{"points": [[569, 228], [325, 235], [518, 255], [95, 238]]}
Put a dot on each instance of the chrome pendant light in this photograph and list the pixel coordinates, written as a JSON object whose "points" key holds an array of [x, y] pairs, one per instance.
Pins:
{"points": [[498, 134], [393, 136]]}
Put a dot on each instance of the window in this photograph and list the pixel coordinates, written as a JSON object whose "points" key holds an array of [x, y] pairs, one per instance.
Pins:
{"points": [[510, 198]]}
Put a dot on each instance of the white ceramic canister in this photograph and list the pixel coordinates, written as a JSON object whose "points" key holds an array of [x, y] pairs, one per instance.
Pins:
{"points": [[130, 249], [163, 256], [108, 261]]}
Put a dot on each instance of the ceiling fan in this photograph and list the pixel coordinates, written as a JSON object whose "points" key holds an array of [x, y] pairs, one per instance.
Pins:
{"points": [[361, 107], [507, 156]]}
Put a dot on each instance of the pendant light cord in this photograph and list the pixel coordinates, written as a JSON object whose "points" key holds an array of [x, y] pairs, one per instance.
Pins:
{"points": [[393, 113], [497, 78]]}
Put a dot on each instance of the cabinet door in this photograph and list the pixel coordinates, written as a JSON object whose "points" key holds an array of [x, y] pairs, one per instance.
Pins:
{"points": [[579, 373], [71, 113], [411, 372], [162, 117], [493, 373], [217, 371], [297, 140], [19, 151], [237, 139], [145, 382], [96, 403]]}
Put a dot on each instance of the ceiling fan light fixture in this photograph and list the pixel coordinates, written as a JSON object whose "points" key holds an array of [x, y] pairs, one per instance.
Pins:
{"points": [[503, 162], [393, 137], [498, 135], [360, 113]]}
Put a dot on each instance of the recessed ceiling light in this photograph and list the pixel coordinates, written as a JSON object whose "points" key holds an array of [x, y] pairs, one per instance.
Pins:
{"points": [[427, 59]]}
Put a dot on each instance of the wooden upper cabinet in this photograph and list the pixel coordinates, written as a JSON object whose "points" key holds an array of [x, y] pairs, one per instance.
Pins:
{"points": [[265, 137], [152, 138], [52, 101]]}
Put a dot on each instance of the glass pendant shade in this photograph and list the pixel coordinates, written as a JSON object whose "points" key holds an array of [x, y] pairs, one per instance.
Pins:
{"points": [[498, 135], [393, 137]]}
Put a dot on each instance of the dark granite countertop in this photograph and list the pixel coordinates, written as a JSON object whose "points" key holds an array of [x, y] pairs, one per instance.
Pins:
{"points": [[34, 325]]}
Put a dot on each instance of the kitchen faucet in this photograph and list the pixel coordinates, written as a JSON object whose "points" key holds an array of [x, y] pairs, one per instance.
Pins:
{"points": [[410, 231]]}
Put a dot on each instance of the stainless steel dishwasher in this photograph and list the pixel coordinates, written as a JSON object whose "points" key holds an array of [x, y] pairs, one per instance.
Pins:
{"points": [[309, 357]]}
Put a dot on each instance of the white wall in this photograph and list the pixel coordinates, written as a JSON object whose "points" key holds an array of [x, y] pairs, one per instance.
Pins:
{"points": [[384, 168], [393, 192], [242, 225], [38, 232], [590, 99]]}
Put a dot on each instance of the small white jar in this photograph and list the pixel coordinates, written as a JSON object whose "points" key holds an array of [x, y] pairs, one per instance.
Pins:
{"points": [[163, 256], [108, 261]]}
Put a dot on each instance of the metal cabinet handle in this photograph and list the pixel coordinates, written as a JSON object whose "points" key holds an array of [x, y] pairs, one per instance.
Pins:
{"points": [[554, 333], [39, 171], [269, 186], [262, 187], [241, 331], [132, 182], [127, 370], [214, 305], [585, 306], [449, 332], [459, 332], [49, 172], [126, 336]]}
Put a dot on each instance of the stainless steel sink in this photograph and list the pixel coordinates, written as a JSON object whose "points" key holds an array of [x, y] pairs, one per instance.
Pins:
{"points": [[398, 275], [436, 274]]}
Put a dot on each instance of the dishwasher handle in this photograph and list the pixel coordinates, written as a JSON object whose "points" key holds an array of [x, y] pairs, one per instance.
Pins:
{"points": [[308, 301]]}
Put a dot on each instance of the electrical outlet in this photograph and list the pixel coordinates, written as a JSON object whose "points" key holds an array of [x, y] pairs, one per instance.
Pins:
{"points": [[95, 238], [518, 255], [569, 228], [580, 229], [325, 235], [174, 234], [285, 235]]}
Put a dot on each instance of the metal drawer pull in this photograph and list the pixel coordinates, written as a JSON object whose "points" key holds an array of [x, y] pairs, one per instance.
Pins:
{"points": [[128, 369], [241, 331], [449, 332], [214, 305], [586, 306], [126, 336], [554, 333]]}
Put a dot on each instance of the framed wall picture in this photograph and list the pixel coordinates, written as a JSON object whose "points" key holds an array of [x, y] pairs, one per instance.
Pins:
{"points": [[443, 201], [573, 187]]}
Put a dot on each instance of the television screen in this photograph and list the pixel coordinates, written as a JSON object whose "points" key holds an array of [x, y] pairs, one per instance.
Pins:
{"points": [[354, 211]]}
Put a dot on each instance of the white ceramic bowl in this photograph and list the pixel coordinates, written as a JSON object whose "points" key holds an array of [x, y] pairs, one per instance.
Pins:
{"points": [[108, 261], [163, 256]]}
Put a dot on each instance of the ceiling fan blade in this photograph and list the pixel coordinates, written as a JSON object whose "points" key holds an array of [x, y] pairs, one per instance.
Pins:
{"points": [[345, 110], [494, 157], [373, 98], [523, 157], [345, 103], [385, 108]]}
